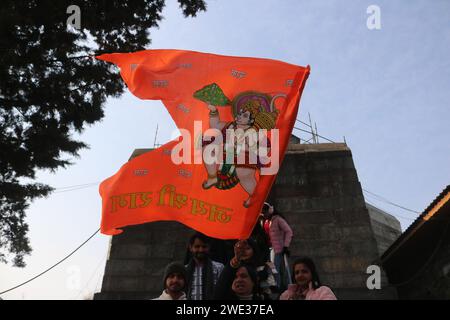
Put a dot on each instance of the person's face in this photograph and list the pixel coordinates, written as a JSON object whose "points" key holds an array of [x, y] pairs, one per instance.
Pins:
{"points": [[175, 282], [266, 212], [243, 117], [199, 249], [242, 284], [302, 275], [247, 251]]}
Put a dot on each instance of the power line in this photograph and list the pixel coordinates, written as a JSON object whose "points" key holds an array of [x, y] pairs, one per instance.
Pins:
{"points": [[53, 266], [86, 185], [63, 189], [396, 215], [379, 198], [78, 188], [376, 196], [389, 202], [81, 245], [78, 185]]}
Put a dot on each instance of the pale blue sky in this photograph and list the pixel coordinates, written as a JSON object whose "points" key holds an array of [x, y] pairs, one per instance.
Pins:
{"points": [[386, 91]]}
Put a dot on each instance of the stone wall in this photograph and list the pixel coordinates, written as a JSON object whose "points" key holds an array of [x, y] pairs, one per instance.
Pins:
{"points": [[386, 228], [317, 190], [137, 259]]}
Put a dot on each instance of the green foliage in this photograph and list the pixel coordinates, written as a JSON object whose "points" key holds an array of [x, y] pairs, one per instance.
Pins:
{"points": [[51, 87]]}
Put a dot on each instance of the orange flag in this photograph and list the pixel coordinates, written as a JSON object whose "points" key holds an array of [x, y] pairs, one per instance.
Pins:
{"points": [[235, 116]]}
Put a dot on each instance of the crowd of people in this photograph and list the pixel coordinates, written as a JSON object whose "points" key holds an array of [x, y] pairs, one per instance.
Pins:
{"points": [[254, 269]]}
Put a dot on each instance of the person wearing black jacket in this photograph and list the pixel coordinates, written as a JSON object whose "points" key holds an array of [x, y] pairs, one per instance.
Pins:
{"points": [[239, 279], [202, 272], [239, 283]]}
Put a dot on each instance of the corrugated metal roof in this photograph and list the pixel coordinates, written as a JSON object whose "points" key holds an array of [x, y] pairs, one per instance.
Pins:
{"points": [[422, 219]]}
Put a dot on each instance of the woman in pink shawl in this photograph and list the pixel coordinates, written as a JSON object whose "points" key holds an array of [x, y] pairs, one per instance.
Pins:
{"points": [[307, 284]]}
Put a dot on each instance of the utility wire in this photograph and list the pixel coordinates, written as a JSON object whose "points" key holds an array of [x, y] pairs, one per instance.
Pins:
{"points": [[87, 185], [370, 193], [78, 188], [395, 215], [53, 266], [77, 185], [378, 197], [389, 202]]}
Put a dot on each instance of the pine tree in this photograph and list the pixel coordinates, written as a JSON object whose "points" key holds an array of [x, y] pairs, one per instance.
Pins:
{"points": [[51, 87]]}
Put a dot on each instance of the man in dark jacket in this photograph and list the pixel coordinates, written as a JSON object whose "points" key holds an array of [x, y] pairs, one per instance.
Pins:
{"points": [[202, 272]]}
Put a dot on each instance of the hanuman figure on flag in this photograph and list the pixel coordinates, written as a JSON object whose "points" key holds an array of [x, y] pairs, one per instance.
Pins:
{"points": [[240, 142]]}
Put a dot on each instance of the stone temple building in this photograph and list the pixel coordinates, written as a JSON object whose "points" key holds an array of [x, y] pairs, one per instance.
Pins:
{"points": [[317, 190]]}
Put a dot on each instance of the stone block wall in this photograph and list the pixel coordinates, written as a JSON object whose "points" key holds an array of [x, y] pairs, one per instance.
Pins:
{"points": [[317, 190]]}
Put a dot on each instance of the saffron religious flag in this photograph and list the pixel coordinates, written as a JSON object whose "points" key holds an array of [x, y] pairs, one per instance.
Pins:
{"points": [[235, 116]]}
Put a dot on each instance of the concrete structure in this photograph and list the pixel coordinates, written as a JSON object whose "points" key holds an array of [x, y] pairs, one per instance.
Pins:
{"points": [[317, 190], [386, 228]]}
